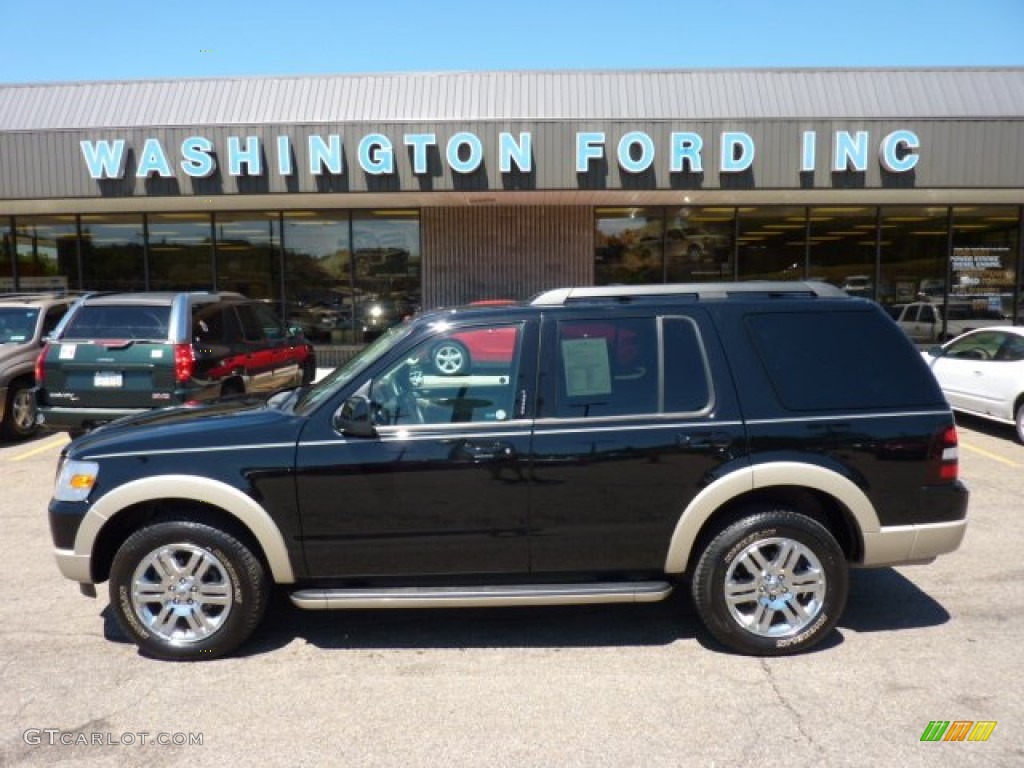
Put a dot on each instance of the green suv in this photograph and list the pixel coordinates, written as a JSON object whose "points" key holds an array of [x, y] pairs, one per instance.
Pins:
{"points": [[25, 320], [124, 353]]}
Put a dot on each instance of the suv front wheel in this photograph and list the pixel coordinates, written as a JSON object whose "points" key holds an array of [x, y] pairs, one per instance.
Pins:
{"points": [[773, 583], [184, 590]]}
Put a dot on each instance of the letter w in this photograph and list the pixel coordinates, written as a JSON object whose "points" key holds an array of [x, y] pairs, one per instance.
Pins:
{"points": [[104, 161], [935, 730]]}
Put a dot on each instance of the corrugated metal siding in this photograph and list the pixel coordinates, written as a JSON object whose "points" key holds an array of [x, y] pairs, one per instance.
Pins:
{"points": [[654, 95], [467, 252]]}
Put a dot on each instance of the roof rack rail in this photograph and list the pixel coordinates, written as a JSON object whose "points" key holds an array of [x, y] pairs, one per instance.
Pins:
{"points": [[695, 291]]}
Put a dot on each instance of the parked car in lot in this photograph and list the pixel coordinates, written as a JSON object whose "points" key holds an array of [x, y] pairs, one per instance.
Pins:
{"points": [[118, 354], [982, 373], [923, 322], [25, 320], [627, 441]]}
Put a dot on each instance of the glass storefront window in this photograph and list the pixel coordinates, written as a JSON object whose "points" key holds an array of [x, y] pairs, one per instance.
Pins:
{"points": [[913, 245], [983, 266], [771, 243], [113, 253], [247, 253], [47, 253], [629, 246], [318, 274], [842, 245], [699, 244], [386, 253], [180, 252], [6, 256]]}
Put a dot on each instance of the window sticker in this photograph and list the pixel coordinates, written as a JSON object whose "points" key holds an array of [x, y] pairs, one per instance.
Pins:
{"points": [[587, 369], [155, 353], [67, 351]]}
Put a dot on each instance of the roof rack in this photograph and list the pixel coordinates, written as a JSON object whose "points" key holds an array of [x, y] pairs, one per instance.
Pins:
{"points": [[694, 291]]}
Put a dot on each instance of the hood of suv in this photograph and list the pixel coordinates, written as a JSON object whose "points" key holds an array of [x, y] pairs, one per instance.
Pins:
{"points": [[221, 424]]}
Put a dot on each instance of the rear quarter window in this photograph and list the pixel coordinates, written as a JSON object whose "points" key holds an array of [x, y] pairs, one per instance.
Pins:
{"points": [[840, 360]]}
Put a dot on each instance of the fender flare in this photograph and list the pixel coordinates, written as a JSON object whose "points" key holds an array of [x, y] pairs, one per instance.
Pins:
{"points": [[203, 489], [735, 484]]}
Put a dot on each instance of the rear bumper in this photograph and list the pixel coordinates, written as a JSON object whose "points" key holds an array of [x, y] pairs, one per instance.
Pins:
{"points": [[946, 509], [57, 418]]}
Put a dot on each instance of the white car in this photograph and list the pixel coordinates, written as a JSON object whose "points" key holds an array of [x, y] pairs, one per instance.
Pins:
{"points": [[982, 373]]}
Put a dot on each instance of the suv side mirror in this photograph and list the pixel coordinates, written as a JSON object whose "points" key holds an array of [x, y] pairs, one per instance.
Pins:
{"points": [[935, 351], [355, 418]]}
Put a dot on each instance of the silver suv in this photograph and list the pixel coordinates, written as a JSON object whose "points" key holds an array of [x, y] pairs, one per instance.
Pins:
{"points": [[25, 320]]}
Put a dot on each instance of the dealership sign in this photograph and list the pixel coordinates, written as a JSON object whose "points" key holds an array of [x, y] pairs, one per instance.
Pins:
{"points": [[635, 152]]}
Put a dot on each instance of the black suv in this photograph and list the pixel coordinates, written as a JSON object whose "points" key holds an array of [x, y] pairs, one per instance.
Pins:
{"points": [[119, 354], [751, 441]]}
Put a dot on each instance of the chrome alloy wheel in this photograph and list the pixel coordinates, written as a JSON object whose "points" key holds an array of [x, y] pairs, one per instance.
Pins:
{"points": [[23, 410], [775, 588], [449, 359], [181, 593]]}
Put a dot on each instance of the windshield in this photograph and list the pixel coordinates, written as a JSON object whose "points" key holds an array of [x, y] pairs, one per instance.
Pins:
{"points": [[339, 377], [17, 325]]}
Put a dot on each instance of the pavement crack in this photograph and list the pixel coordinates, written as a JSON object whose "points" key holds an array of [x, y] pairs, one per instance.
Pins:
{"points": [[798, 717]]}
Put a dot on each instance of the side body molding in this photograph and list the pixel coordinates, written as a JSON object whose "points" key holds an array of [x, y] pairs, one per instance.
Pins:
{"points": [[742, 481], [203, 489]]}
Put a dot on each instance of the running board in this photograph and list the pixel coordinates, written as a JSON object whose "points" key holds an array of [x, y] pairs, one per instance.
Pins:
{"points": [[482, 597]]}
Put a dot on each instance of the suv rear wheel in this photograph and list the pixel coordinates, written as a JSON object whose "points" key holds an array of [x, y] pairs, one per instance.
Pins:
{"points": [[773, 583], [20, 412], [185, 591]]}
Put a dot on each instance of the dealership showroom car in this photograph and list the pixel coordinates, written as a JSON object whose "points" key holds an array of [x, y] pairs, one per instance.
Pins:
{"points": [[982, 373]]}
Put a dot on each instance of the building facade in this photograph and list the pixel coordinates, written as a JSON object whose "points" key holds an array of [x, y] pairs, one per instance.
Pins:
{"points": [[341, 196]]}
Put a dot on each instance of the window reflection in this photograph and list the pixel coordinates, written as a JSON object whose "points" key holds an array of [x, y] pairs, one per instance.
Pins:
{"points": [[386, 260], [247, 253], [913, 247], [629, 246], [6, 256], [984, 258], [113, 254], [318, 274], [842, 245], [180, 252], [699, 244], [771, 243], [47, 253]]}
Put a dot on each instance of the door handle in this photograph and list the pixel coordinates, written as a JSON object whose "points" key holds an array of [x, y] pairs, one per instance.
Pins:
{"points": [[484, 451], [701, 441]]}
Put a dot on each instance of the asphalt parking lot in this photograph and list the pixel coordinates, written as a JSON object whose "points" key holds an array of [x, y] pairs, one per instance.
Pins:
{"points": [[593, 686]]}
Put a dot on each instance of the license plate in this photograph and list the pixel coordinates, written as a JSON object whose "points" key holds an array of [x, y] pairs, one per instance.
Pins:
{"points": [[108, 379]]}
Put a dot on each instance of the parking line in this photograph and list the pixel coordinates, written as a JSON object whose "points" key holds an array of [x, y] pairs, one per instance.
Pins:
{"points": [[54, 443], [988, 455]]}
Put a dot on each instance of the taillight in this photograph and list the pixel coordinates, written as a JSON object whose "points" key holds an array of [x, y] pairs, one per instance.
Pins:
{"points": [[184, 363], [41, 366], [948, 453]]}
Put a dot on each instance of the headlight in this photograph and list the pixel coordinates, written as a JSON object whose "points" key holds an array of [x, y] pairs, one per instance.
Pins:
{"points": [[76, 480]]}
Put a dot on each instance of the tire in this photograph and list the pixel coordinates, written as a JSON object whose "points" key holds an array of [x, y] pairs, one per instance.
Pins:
{"points": [[160, 577], [1019, 418], [762, 557], [19, 412], [308, 370], [450, 358]]}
